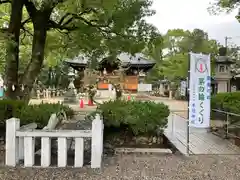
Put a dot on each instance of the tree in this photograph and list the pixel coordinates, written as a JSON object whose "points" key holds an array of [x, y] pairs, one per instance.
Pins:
{"points": [[154, 52], [226, 6], [12, 42], [177, 44], [223, 6], [91, 27]]}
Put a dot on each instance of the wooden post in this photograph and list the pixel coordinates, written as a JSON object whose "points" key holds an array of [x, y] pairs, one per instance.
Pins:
{"points": [[29, 151], [97, 142], [79, 152], [170, 94], [62, 152], [11, 157], [45, 152], [30, 126], [21, 148]]}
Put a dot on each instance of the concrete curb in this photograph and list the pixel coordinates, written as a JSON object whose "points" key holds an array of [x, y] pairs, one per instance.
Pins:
{"points": [[142, 150]]}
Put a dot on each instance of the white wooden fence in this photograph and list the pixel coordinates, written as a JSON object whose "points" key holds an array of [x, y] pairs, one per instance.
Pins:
{"points": [[20, 144]]}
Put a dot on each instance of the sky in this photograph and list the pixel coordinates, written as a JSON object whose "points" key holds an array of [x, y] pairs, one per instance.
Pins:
{"points": [[190, 14]]}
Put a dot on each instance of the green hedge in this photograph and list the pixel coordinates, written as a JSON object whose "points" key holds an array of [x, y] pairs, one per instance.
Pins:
{"points": [[39, 113], [229, 102], [139, 117]]}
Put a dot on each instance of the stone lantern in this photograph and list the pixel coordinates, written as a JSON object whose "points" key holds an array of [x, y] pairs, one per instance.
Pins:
{"points": [[223, 71], [71, 94]]}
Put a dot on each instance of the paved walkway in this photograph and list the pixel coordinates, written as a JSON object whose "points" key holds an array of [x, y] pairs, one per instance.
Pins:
{"points": [[201, 141], [174, 105], [75, 106]]}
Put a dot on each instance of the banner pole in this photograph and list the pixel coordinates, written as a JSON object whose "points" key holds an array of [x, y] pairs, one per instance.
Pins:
{"points": [[188, 121]]}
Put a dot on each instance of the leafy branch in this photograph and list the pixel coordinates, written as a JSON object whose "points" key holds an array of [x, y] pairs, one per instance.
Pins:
{"points": [[5, 1]]}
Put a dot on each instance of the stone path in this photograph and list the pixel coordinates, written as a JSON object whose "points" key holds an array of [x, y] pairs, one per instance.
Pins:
{"points": [[174, 105]]}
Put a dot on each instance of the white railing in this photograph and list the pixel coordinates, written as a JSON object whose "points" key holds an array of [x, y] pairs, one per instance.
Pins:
{"points": [[177, 130], [178, 122], [20, 144]]}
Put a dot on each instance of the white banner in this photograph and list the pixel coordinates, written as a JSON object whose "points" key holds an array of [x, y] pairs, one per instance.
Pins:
{"points": [[183, 87], [1, 86], [200, 90]]}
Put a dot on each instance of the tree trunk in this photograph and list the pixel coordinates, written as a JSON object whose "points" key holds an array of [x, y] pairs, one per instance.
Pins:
{"points": [[12, 52], [39, 39]]}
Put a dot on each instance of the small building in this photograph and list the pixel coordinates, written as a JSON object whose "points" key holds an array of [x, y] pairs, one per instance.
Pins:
{"points": [[111, 69]]}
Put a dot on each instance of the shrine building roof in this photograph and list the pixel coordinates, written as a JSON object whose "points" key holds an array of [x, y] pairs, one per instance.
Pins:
{"points": [[125, 58]]}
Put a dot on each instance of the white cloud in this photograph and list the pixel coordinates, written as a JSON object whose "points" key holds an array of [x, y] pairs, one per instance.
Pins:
{"points": [[190, 14]]}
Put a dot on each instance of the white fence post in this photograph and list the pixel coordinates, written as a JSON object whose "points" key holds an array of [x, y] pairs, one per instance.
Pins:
{"points": [[12, 125], [30, 126], [29, 151], [45, 151], [21, 148], [97, 142], [79, 152], [62, 152]]}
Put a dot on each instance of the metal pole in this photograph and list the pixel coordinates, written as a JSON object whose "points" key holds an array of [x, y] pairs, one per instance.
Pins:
{"points": [[226, 136], [172, 115], [188, 122]]}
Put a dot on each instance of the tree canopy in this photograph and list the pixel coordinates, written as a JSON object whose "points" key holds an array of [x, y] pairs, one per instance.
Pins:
{"points": [[226, 6], [177, 43], [43, 32]]}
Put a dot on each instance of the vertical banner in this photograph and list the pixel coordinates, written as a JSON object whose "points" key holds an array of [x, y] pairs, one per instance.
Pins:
{"points": [[183, 87], [199, 90], [1, 86]]}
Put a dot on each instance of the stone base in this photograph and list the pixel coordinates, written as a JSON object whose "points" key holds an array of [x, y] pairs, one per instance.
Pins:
{"points": [[70, 97], [143, 150]]}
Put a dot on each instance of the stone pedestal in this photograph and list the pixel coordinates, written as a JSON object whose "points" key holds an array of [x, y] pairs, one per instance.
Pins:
{"points": [[170, 94], [222, 86], [70, 96], [161, 89]]}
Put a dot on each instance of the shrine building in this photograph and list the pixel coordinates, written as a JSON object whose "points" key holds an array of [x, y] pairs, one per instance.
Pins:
{"points": [[134, 68]]}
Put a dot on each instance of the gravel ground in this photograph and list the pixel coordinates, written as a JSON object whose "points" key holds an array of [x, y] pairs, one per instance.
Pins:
{"points": [[139, 167]]}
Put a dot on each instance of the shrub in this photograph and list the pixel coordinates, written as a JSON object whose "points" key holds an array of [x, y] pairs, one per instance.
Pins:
{"points": [[226, 102], [139, 117], [8, 108], [39, 113], [229, 102]]}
